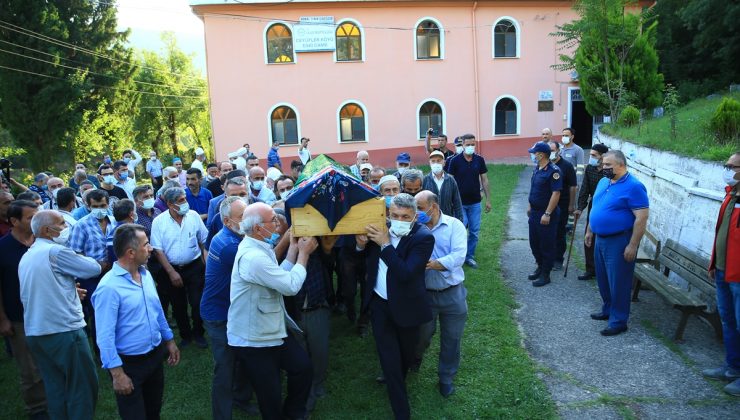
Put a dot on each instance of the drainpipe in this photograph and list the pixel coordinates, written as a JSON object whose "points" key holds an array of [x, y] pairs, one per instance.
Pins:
{"points": [[475, 72]]}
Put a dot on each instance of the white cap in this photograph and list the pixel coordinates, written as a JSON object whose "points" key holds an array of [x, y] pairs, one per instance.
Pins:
{"points": [[199, 152], [233, 155], [387, 178], [241, 151], [274, 173], [366, 166]]}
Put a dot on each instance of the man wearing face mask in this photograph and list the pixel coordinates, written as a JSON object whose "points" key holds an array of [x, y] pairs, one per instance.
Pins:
{"points": [[132, 158], [214, 308], [257, 317], [39, 186], [53, 320], [618, 220], [591, 179], [396, 294], [66, 202], [200, 157], [178, 238], [108, 183], [145, 210], [258, 187], [53, 185], [572, 152], [403, 162], [154, 169], [389, 187], [273, 159], [123, 178], [374, 178], [469, 170], [212, 174], [411, 181], [235, 187], [459, 149], [724, 270], [444, 282], [216, 201], [543, 212], [567, 201], [444, 186]]}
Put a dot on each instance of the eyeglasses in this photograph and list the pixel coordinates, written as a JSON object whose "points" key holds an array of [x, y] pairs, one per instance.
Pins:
{"points": [[274, 221], [731, 167]]}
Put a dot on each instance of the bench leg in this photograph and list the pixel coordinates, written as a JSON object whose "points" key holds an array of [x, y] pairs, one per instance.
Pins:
{"points": [[716, 323], [636, 284], [682, 325]]}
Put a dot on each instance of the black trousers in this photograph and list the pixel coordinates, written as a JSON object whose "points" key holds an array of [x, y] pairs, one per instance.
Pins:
{"points": [[193, 278], [147, 374], [560, 238], [263, 366], [396, 347], [588, 251], [353, 273]]}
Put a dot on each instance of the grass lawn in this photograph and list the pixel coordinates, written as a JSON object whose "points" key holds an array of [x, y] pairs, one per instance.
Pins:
{"points": [[693, 137], [496, 380]]}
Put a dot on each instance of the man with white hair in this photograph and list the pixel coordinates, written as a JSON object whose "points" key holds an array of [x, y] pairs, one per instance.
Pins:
{"points": [[239, 159], [257, 318], [273, 174], [362, 157], [53, 319], [53, 185], [170, 173], [39, 186], [200, 157]]}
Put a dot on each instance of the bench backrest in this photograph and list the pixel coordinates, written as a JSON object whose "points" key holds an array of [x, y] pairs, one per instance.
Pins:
{"points": [[688, 265], [656, 244]]}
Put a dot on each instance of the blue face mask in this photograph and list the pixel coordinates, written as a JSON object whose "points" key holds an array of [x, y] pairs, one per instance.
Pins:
{"points": [[257, 185], [127, 160], [99, 214], [423, 217], [388, 199], [123, 175], [376, 187], [184, 209], [534, 158], [44, 187], [593, 161], [272, 240]]}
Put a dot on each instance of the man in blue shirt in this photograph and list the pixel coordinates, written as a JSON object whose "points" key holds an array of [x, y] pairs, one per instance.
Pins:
{"points": [[469, 170], [197, 196], [618, 219], [216, 201], [134, 336], [543, 212], [273, 159], [214, 309]]}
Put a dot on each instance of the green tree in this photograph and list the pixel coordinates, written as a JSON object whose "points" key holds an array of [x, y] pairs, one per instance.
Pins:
{"points": [[613, 52], [61, 60]]}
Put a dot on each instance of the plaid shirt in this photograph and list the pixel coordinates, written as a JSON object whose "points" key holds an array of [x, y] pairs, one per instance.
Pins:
{"points": [[146, 220], [87, 238], [314, 291], [588, 187]]}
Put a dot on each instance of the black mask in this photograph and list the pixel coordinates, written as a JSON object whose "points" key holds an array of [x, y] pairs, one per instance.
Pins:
{"points": [[608, 173]]}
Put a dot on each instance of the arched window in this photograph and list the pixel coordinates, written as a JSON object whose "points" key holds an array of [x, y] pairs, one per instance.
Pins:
{"points": [[284, 125], [506, 116], [431, 115], [505, 39], [349, 42], [279, 44], [428, 40], [352, 123]]}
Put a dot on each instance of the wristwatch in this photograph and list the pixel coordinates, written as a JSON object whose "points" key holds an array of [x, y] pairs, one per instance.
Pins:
{"points": [[547, 213], [384, 246]]}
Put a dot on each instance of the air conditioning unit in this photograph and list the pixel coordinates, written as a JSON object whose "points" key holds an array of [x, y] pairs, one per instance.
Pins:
{"points": [[574, 75]]}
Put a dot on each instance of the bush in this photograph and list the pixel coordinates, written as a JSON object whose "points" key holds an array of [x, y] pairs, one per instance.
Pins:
{"points": [[629, 116], [725, 123]]}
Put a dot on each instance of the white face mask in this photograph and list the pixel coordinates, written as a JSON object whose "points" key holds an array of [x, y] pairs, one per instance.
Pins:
{"points": [[63, 237], [458, 149], [469, 150], [553, 156], [436, 168], [401, 228], [55, 192], [593, 161], [729, 177], [566, 140], [402, 169]]}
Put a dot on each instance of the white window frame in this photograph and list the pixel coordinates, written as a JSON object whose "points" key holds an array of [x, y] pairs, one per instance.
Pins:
{"points": [[264, 41], [518, 38], [441, 39], [362, 39], [339, 123], [444, 115], [297, 121], [518, 116]]}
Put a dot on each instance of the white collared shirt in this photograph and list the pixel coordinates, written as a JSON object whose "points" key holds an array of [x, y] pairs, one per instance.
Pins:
{"points": [[179, 242], [381, 287]]}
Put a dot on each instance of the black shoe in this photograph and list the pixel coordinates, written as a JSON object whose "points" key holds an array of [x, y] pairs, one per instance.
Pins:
{"points": [[557, 266], [598, 316], [543, 281], [251, 408], [586, 276], [446, 389], [415, 365], [607, 332], [201, 342], [380, 379], [536, 274]]}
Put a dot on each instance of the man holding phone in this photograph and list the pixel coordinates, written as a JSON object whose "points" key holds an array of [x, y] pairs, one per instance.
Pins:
{"points": [[441, 144]]}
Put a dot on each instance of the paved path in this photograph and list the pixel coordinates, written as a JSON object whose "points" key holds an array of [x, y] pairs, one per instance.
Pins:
{"points": [[639, 374]]}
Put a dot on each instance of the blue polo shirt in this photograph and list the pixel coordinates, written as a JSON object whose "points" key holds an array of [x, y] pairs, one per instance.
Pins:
{"points": [[214, 305], [199, 202], [545, 181], [613, 204], [467, 174]]}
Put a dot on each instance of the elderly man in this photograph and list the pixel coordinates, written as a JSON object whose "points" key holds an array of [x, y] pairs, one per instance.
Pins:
{"points": [[216, 201], [396, 293], [389, 187], [81, 175], [134, 334], [216, 186], [170, 174], [411, 181], [546, 135], [403, 162], [212, 174], [469, 170], [591, 179], [53, 319], [53, 185], [273, 158], [39, 186], [5, 199], [67, 201], [618, 220], [443, 186], [82, 211], [200, 157], [724, 269], [444, 282], [181, 175], [197, 196], [362, 157], [365, 169], [12, 248], [214, 308], [256, 326], [567, 202], [178, 238], [375, 175], [238, 158], [258, 188], [124, 180]]}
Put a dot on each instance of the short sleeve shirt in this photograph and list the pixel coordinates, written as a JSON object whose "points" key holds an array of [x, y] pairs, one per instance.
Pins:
{"points": [[467, 174], [613, 204], [545, 181], [179, 242]]}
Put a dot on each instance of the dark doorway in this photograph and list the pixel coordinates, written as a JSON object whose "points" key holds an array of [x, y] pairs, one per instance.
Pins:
{"points": [[583, 123]]}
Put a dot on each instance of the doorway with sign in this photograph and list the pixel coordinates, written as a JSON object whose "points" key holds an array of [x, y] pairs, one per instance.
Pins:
{"points": [[579, 118]]}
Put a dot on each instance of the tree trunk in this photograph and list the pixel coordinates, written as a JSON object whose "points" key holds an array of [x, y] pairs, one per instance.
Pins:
{"points": [[173, 134]]}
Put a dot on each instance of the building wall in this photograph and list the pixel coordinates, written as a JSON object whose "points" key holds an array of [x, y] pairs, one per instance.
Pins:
{"points": [[390, 82]]}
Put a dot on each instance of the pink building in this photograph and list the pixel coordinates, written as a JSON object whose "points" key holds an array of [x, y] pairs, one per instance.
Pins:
{"points": [[375, 75]]}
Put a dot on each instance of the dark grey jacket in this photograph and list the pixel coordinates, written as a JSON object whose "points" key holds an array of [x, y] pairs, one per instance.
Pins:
{"points": [[449, 197]]}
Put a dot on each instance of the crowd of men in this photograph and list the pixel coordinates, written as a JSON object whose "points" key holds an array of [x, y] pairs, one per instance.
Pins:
{"points": [[109, 258]]}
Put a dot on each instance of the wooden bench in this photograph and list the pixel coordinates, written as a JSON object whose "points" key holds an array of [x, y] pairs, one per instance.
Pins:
{"points": [[644, 259], [690, 267]]}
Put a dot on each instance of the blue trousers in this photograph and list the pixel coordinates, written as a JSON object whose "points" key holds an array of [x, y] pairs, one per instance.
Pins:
{"points": [[230, 382], [542, 238], [728, 306], [471, 220], [614, 277]]}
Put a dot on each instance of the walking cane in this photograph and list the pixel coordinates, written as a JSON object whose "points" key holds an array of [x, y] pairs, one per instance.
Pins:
{"points": [[570, 249]]}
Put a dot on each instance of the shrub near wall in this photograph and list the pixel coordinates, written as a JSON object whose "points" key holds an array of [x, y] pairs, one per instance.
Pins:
{"points": [[725, 123]]}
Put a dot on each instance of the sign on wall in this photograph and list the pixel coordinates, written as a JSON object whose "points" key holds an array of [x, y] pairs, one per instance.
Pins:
{"points": [[314, 33], [545, 95]]}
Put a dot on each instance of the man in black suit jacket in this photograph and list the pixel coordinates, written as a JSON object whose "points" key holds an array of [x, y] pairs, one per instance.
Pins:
{"points": [[396, 293]]}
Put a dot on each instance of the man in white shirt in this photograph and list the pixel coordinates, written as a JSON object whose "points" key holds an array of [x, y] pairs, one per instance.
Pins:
{"points": [[132, 159], [178, 238], [123, 178], [53, 319], [256, 326], [200, 157], [303, 151], [362, 157], [258, 187]]}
